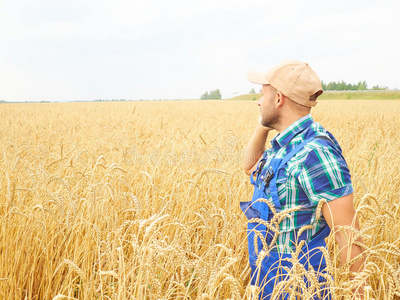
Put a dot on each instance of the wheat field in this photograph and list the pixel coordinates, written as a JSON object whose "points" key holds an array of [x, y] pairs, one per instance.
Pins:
{"points": [[140, 200]]}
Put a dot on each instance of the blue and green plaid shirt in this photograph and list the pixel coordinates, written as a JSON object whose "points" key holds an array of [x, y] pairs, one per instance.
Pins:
{"points": [[317, 172]]}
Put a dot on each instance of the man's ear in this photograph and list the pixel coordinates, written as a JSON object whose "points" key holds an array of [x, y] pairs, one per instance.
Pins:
{"points": [[279, 99]]}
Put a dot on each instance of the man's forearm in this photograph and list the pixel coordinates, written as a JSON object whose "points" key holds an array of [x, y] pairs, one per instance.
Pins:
{"points": [[338, 214], [255, 148], [348, 250]]}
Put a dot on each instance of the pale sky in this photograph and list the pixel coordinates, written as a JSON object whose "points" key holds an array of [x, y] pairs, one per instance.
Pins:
{"points": [[53, 50]]}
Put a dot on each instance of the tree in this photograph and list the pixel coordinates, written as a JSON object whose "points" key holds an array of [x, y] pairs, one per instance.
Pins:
{"points": [[343, 86], [216, 94], [252, 91], [361, 85], [205, 96], [380, 88]]}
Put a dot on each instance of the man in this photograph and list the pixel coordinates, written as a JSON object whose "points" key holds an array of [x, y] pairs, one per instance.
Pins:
{"points": [[300, 176]]}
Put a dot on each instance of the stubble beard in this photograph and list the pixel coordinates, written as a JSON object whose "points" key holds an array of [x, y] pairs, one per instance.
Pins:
{"points": [[271, 120]]}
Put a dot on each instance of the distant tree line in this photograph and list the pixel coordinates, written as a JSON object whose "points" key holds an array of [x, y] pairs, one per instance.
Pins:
{"points": [[343, 86], [216, 94], [4, 101]]}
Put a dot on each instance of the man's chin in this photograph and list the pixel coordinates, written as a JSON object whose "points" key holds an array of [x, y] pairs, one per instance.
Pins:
{"points": [[267, 125]]}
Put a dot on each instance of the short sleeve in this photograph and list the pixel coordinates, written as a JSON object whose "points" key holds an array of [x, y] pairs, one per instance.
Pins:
{"points": [[325, 175]]}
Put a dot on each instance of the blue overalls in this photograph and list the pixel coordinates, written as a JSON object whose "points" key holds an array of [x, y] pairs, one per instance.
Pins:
{"points": [[272, 269]]}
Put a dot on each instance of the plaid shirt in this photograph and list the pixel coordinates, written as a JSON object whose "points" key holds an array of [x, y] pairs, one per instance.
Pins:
{"points": [[316, 172]]}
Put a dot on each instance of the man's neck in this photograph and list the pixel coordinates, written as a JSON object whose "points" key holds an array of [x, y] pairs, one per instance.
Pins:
{"points": [[287, 121]]}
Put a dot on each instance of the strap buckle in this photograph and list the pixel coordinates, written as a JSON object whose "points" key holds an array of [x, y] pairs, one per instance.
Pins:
{"points": [[261, 165], [268, 176]]}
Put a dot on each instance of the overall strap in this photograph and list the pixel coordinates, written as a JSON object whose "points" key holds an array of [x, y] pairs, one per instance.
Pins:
{"points": [[260, 165], [278, 165]]}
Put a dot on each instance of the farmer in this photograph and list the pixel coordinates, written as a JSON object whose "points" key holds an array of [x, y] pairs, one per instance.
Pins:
{"points": [[300, 176]]}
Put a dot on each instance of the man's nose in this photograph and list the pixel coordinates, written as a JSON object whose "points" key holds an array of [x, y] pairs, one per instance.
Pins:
{"points": [[260, 101]]}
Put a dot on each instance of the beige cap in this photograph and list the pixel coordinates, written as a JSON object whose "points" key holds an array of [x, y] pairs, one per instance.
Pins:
{"points": [[294, 79]]}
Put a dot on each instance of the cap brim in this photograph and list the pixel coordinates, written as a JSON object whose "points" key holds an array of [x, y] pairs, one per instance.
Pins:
{"points": [[257, 77]]}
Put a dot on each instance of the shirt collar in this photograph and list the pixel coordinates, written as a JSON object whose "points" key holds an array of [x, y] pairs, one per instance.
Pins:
{"points": [[289, 133]]}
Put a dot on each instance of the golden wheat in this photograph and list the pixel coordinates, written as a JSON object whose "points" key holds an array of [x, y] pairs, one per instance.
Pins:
{"points": [[140, 200]]}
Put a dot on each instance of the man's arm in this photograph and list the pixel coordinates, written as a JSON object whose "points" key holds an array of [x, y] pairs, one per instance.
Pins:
{"points": [[325, 175], [341, 212], [255, 148]]}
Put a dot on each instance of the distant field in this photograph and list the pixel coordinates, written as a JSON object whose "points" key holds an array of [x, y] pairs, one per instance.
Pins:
{"points": [[345, 95]]}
